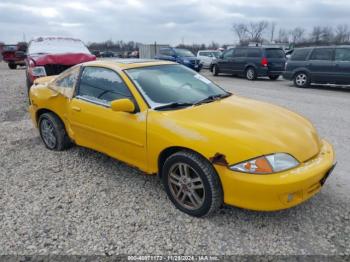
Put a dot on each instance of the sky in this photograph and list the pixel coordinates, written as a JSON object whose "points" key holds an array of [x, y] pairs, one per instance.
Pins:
{"points": [[165, 21]]}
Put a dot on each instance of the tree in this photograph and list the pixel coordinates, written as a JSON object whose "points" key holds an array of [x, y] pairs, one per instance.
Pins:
{"points": [[316, 35], [282, 36], [297, 34], [255, 30], [241, 32], [342, 34], [273, 27]]}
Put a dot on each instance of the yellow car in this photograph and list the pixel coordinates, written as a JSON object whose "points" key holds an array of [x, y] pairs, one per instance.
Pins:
{"points": [[208, 146]]}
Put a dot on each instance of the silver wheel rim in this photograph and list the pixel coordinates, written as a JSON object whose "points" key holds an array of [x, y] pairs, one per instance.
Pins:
{"points": [[186, 186], [301, 79], [47, 133], [250, 74]]}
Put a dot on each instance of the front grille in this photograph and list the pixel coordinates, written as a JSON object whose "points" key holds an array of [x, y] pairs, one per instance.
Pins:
{"points": [[55, 69]]}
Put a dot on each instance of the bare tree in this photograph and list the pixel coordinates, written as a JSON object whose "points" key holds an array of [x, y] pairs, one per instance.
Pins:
{"points": [[255, 30], [342, 34], [273, 27], [316, 34], [297, 34], [241, 31], [283, 36]]}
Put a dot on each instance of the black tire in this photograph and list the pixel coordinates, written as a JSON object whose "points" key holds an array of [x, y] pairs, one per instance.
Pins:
{"points": [[28, 83], [301, 80], [274, 77], [12, 66], [250, 73], [215, 70], [59, 133], [212, 196]]}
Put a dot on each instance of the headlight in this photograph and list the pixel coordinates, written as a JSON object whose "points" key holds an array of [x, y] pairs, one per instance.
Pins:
{"points": [[38, 71], [267, 164]]}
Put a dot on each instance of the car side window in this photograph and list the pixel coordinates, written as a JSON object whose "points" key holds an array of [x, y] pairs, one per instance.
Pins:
{"points": [[164, 52], [253, 52], [240, 52], [324, 54], [68, 81], [228, 54], [342, 54], [102, 85]]}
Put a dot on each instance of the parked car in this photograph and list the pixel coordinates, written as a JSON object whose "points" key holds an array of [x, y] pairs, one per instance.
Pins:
{"points": [[181, 56], [52, 55], [251, 62], [208, 146], [14, 55], [319, 65], [207, 57], [107, 54]]}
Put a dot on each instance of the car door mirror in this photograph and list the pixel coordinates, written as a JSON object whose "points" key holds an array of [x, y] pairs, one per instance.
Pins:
{"points": [[123, 105]]}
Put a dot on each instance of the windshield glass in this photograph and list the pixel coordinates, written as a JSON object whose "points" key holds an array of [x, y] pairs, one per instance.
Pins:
{"points": [[57, 46], [166, 84], [216, 54], [183, 52]]}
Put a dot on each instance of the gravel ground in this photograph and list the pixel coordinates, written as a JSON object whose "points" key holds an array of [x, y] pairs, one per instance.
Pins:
{"points": [[83, 202]]}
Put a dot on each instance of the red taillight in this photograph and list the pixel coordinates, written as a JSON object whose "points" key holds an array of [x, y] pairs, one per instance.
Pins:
{"points": [[264, 62]]}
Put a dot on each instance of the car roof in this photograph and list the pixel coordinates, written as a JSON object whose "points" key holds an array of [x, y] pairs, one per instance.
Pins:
{"points": [[121, 64]]}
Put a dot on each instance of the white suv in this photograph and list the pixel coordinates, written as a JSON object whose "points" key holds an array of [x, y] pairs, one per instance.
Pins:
{"points": [[207, 56]]}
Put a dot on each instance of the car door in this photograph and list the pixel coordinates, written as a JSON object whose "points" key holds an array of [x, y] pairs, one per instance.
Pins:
{"points": [[119, 134], [239, 60], [342, 66], [225, 64], [321, 65]]}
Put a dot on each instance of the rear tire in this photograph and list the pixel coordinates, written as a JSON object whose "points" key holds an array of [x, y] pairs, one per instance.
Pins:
{"points": [[301, 80], [274, 77], [215, 70], [12, 66], [192, 184], [53, 132], [250, 73]]}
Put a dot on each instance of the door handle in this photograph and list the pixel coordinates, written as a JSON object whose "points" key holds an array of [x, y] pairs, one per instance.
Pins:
{"points": [[75, 108]]}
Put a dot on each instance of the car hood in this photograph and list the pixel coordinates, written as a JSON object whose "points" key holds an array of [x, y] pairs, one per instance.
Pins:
{"points": [[251, 127], [62, 59]]}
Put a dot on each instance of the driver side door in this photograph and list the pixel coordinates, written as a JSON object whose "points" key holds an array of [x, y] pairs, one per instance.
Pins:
{"points": [[121, 135]]}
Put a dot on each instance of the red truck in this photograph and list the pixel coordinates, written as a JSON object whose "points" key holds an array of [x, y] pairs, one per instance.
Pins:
{"points": [[14, 55], [52, 55]]}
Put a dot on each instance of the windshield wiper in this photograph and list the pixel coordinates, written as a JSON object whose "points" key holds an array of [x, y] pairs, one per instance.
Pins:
{"points": [[212, 98], [173, 105]]}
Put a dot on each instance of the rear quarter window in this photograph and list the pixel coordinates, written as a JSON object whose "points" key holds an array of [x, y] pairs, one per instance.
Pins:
{"points": [[300, 54], [254, 52], [275, 53]]}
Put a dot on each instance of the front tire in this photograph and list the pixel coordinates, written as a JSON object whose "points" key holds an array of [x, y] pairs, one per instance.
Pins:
{"points": [[301, 80], [250, 73], [53, 132], [192, 184], [12, 66], [215, 70]]}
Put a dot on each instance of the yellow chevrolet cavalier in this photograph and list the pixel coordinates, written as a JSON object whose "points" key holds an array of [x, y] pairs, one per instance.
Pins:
{"points": [[208, 146]]}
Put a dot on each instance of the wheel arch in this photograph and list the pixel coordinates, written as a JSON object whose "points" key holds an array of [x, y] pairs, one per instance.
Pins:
{"points": [[301, 70], [170, 151], [43, 111]]}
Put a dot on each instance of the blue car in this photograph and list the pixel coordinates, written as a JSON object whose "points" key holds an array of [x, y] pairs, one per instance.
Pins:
{"points": [[181, 56]]}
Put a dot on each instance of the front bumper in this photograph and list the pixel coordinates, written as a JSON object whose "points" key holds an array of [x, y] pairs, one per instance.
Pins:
{"points": [[277, 191]]}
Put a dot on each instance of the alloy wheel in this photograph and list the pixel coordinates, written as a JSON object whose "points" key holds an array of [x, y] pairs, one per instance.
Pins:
{"points": [[186, 186], [301, 79], [47, 133]]}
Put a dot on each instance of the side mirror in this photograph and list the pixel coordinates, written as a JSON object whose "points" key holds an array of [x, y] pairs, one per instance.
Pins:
{"points": [[123, 105]]}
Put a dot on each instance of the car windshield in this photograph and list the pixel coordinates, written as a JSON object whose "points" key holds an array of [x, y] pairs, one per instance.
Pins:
{"points": [[183, 52], [216, 54], [166, 84], [55, 45]]}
